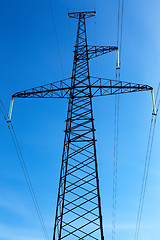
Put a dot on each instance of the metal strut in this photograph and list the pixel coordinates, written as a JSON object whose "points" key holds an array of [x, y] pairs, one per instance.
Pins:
{"points": [[78, 210], [78, 213]]}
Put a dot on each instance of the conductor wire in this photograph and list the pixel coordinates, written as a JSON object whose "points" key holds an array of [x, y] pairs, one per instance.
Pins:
{"points": [[116, 125], [120, 49], [24, 168], [69, 25], [146, 168], [57, 42]]}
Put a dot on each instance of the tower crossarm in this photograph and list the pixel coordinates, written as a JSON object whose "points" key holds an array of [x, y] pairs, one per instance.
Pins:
{"points": [[103, 87], [59, 89], [78, 15], [92, 51], [99, 87]]}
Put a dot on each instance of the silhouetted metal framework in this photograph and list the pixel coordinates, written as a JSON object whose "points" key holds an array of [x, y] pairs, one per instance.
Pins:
{"points": [[78, 211]]}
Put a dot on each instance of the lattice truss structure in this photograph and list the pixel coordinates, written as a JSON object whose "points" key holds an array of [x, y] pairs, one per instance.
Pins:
{"points": [[78, 211]]}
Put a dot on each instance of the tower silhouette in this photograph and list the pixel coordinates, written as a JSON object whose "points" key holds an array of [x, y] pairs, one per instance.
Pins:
{"points": [[78, 210]]}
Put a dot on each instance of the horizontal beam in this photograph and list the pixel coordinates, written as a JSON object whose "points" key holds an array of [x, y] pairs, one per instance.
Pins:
{"points": [[92, 51], [99, 87], [104, 87], [78, 15], [59, 89]]}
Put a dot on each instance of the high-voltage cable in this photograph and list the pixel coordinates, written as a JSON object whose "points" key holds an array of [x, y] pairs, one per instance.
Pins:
{"points": [[69, 26], [55, 31], [121, 32], [116, 124], [24, 168], [146, 166]]}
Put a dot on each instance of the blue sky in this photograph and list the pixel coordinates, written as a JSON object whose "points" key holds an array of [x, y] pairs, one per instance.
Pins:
{"points": [[29, 57]]}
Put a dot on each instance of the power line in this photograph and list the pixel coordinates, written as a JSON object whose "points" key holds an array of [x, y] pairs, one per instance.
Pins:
{"points": [[69, 26], [115, 167], [94, 5], [95, 34], [55, 31], [157, 92], [146, 168], [24, 168], [116, 124], [120, 49], [118, 22]]}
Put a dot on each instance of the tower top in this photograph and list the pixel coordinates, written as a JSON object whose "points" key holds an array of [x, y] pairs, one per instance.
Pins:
{"points": [[82, 14]]}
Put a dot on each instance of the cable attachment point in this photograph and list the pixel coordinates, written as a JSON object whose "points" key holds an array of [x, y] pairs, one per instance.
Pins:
{"points": [[117, 60], [153, 103], [10, 110]]}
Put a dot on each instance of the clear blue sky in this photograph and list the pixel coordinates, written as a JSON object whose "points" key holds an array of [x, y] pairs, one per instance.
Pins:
{"points": [[29, 57]]}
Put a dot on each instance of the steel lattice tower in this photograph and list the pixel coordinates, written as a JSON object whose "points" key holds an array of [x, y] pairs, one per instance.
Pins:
{"points": [[78, 211]]}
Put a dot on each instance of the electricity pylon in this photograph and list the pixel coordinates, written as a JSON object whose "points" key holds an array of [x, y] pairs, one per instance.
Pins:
{"points": [[78, 211]]}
